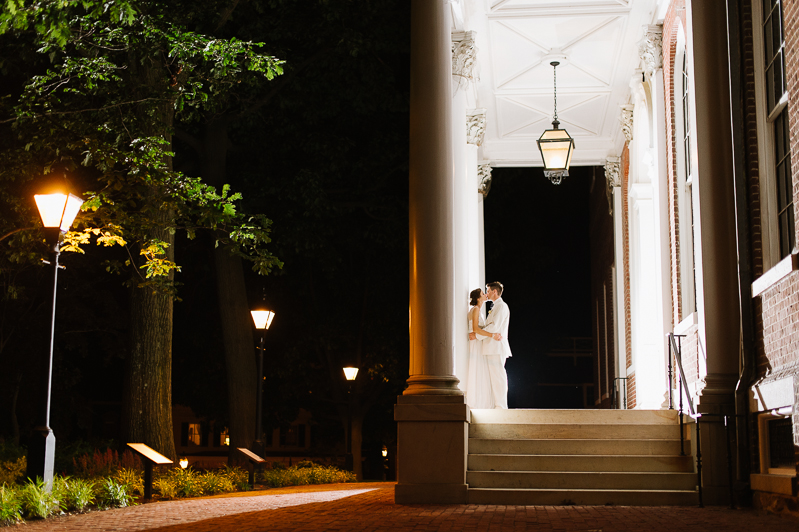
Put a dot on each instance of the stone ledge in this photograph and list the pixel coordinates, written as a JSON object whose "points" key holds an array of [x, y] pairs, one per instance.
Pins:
{"points": [[782, 484], [430, 493]]}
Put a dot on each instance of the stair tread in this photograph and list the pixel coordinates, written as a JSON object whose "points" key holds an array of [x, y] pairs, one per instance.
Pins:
{"points": [[596, 490], [552, 472]]}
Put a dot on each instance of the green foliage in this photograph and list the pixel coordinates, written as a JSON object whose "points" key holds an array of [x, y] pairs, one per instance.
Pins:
{"points": [[10, 505], [12, 471], [98, 101], [166, 487], [188, 482], [305, 473], [77, 494], [134, 478], [238, 477], [37, 502], [113, 494], [214, 482]]}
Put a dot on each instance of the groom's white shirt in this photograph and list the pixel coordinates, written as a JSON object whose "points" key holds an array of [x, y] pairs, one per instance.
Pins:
{"points": [[498, 321]]}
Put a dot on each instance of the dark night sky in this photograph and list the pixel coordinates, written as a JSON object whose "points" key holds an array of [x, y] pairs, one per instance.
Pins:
{"points": [[537, 245]]}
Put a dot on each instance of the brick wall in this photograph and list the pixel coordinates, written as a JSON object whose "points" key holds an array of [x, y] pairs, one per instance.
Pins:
{"points": [[625, 214], [671, 29]]}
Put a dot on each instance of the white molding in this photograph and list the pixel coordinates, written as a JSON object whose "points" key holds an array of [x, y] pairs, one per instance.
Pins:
{"points": [[772, 395], [475, 126], [686, 324], [776, 274]]}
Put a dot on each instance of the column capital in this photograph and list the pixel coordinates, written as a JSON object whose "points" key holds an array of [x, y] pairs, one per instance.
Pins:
{"points": [[626, 119], [475, 126], [484, 178], [612, 179], [650, 48], [464, 53]]}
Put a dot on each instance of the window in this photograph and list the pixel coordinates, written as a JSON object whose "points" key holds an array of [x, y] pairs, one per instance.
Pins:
{"points": [[195, 433], [685, 210], [773, 132], [224, 437], [776, 442]]}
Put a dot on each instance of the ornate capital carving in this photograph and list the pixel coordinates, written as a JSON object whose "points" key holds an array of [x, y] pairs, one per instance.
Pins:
{"points": [[484, 178], [464, 52], [626, 119], [612, 178], [475, 126], [650, 48]]}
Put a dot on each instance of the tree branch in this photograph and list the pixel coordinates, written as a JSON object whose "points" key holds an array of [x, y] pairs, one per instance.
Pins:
{"points": [[226, 14]]}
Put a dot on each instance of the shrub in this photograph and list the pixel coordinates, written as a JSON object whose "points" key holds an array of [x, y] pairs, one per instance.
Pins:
{"points": [[112, 494], [166, 487], [305, 473], [37, 502], [132, 477], [12, 471], [238, 477], [105, 464], [76, 494], [214, 482], [187, 481], [10, 506]]}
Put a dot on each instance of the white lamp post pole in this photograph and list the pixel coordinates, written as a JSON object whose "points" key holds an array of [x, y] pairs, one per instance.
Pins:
{"points": [[350, 374], [57, 212]]}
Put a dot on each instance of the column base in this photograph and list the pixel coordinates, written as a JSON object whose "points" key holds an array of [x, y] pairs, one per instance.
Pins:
{"points": [[433, 385], [432, 446], [41, 456]]}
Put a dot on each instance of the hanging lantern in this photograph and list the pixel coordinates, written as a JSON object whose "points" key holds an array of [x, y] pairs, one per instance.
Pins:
{"points": [[555, 144]]}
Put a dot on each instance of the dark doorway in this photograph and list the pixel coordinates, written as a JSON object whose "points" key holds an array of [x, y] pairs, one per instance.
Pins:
{"points": [[537, 244]]}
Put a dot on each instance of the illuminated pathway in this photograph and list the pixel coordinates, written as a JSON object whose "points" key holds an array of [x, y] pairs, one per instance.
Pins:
{"points": [[370, 507]]}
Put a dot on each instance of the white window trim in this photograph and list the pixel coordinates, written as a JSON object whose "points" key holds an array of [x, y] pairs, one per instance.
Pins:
{"points": [[769, 222]]}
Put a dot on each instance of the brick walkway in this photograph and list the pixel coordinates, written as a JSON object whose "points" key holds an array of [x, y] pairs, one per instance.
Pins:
{"points": [[370, 507]]}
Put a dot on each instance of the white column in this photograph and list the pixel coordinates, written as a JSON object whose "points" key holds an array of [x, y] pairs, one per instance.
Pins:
{"points": [[432, 417], [460, 231], [431, 203]]}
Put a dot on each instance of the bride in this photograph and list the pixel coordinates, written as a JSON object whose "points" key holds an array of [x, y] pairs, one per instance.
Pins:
{"points": [[478, 384]]}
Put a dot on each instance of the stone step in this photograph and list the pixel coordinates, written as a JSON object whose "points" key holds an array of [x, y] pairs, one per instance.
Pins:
{"points": [[582, 417], [593, 463], [560, 497], [573, 480], [574, 446], [528, 431]]}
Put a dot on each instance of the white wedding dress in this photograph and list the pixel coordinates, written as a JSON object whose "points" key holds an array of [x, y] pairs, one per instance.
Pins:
{"points": [[478, 384]]}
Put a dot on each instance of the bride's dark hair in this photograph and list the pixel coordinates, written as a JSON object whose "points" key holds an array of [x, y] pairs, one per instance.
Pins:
{"points": [[474, 295]]}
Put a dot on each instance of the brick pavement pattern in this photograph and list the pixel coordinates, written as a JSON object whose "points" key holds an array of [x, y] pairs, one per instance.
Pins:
{"points": [[371, 508]]}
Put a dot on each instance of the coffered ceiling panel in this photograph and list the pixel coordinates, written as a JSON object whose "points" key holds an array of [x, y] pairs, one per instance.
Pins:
{"points": [[595, 42]]}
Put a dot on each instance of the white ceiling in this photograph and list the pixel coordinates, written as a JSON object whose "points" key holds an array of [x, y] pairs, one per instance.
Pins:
{"points": [[596, 42]]}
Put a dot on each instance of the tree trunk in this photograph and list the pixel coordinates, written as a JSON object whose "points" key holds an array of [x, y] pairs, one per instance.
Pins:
{"points": [[147, 411], [234, 311], [148, 379]]}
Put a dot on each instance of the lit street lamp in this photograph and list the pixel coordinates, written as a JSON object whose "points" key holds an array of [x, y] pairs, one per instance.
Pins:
{"points": [[350, 374], [58, 211], [555, 144], [263, 319]]}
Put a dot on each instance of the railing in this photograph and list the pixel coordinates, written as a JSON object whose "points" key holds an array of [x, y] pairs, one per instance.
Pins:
{"points": [[675, 353], [615, 394]]}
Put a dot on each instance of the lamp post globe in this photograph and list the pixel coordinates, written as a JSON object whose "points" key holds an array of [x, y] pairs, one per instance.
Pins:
{"points": [[57, 211], [262, 319]]}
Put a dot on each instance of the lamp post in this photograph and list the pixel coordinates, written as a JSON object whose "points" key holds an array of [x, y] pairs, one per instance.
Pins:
{"points": [[555, 144], [57, 211], [263, 319], [350, 374]]}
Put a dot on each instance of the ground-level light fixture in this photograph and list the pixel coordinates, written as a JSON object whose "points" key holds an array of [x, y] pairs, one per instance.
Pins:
{"points": [[57, 211], [350, 373], [184, 462], [555, 144], [384, 451]]}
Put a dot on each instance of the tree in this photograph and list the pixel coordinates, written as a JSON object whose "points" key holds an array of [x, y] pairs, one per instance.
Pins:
{"points": [[103, 111]]}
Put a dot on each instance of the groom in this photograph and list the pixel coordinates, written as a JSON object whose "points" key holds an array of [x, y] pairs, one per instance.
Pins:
{"points": [[496, 348]]}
